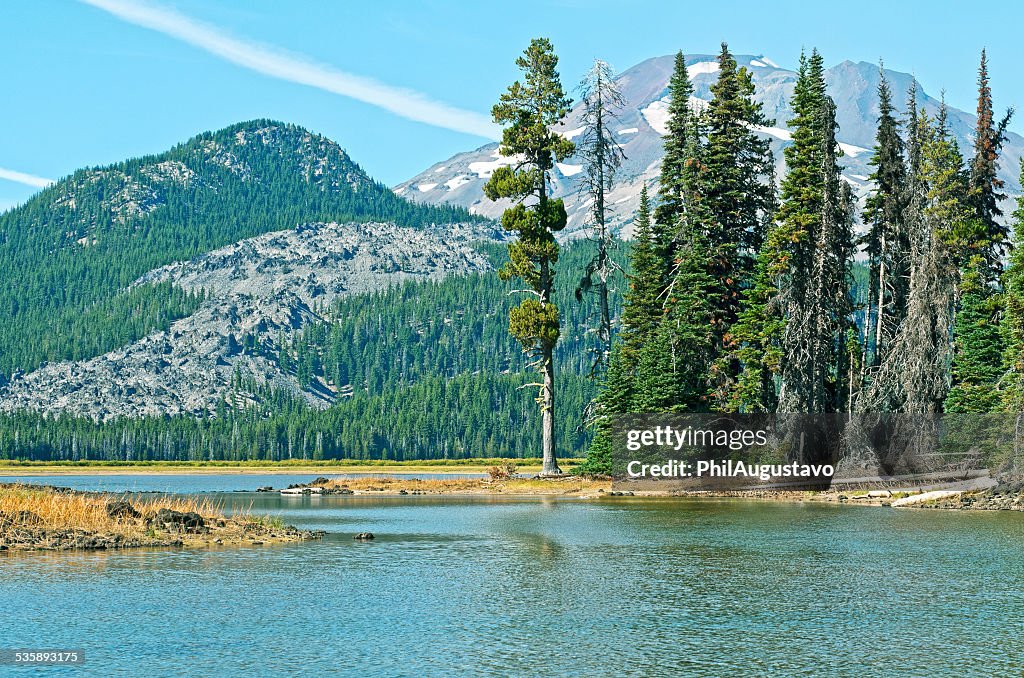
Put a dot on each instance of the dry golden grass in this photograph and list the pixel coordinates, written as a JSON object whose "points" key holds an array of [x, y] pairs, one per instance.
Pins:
{"points": [[82, 511], [569, 485], [34, 517]]}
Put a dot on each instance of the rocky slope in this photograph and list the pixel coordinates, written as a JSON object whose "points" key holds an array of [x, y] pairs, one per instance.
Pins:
{"points": [[259, 289], [459, 180], [67, 255]]}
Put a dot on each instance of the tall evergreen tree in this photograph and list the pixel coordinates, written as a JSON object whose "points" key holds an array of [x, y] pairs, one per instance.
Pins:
{"points": [[978, 347], [986, 186], [601, 156], [641, 317], [815, 223], [682, 123], [736, 165], [887, 242], [529, 110], [642, 305], [738, 199], [673, 368], [1012, 326]]}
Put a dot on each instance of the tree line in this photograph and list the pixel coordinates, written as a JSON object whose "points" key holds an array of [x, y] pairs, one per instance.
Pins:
{"points": [[744, 298]]}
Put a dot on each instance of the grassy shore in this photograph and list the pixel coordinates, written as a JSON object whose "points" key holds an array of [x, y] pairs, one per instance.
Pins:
{"points": [[48, 518], [477, 465], [566, 486]]}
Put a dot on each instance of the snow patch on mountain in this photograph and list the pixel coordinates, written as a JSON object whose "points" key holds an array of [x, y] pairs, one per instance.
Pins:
{"points": [[460, 180], [777, 132], [643, 121], [573, 133], [701, 68], [853, 151], [656, 115]]}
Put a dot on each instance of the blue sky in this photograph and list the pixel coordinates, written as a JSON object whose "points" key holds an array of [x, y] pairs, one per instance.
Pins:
{"points": [[404, 84]]}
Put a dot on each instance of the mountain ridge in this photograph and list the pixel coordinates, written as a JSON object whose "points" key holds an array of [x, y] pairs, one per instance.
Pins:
{"points": [[459, 179], [76, 247]]}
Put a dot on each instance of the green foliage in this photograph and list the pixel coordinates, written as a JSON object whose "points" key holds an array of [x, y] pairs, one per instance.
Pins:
{"points": [[423, 371], [887, 241], [1012, 326], [69, 256], [673, 186], [978, 345], [985, 185]]}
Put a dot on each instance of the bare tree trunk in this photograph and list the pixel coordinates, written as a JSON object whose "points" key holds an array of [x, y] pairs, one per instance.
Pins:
{"points": [[550, 467], [877, 358], [547, 366]]}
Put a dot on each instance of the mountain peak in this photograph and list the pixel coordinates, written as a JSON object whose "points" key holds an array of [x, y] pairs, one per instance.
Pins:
{"points": [[641, 124]]}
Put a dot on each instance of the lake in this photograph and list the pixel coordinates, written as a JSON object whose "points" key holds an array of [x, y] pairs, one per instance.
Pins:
{"points": [[500, 585]]}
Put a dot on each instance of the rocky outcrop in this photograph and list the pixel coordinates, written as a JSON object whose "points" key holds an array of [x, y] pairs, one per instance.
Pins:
{"points": [[259, 290]]}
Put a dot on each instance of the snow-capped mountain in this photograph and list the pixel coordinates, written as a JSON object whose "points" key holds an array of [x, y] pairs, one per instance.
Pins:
{"points": [[460, 179]]}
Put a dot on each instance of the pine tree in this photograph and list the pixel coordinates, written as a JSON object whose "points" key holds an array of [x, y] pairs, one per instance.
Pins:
{"points": [[736, 163], [887, 242], [529, 110], [681, 127], [978, 346], [815, 225], [601, 156], [738, 199], [642, 305], [1012, 326], [673, 370], [760, 324], [985, 184], [642, 313]]}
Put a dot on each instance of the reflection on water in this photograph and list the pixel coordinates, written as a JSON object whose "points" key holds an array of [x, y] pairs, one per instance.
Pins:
{"points": [[499, 585]]}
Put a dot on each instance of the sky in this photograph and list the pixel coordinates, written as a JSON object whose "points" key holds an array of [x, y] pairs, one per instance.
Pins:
{"points": [[402, 85]]}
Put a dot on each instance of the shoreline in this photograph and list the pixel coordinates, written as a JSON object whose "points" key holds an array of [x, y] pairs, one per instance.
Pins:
{"points": [[589, 489], [386, 479]]}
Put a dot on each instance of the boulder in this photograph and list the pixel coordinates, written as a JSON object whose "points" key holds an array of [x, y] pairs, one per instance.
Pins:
{"points": [[363, 536], [178, 521], [122, 510]]}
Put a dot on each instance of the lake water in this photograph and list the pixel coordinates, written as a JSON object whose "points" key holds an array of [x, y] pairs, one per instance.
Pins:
{"points": [[498, 586]]}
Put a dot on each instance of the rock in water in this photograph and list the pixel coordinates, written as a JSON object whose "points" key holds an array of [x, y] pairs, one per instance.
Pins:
{"points": [[364, 536]]}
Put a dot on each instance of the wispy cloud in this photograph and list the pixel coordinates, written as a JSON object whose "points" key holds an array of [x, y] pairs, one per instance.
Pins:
{"points": [[22, 178], [296, 68]]}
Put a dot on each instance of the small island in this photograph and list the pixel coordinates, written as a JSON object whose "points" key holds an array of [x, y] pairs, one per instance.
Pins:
{"points": [[45, 518]]}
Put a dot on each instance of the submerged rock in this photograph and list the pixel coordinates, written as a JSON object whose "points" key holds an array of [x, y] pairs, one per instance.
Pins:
{"points": [[364, 536]]}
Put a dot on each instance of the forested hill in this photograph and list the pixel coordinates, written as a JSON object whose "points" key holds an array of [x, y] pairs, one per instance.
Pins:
{"points": [[69, 255]]}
